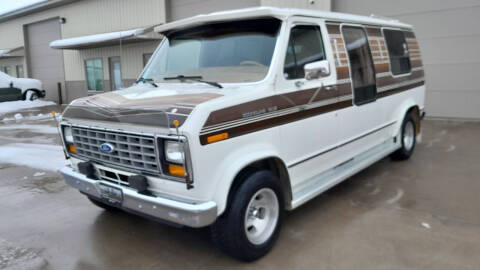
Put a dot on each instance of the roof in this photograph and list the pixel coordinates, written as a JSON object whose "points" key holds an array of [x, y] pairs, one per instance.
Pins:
{"points": [[280, 13], [33, 8], [13, 52], [105, 39]]}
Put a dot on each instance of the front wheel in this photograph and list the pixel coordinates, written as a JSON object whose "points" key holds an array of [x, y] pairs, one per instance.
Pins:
{"points": [[251, 224], [408, 139]]}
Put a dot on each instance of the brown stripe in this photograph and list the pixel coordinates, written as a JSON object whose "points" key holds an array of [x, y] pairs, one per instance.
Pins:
{"points": [[380, 68], [409, 34], [343, 73], [281, 120], [285, 119], [384, 81], [333, 28], [374, 32], [398, 90], [416, 63]]}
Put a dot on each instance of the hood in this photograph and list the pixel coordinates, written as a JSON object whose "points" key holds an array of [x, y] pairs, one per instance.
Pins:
{"points": [[27, 83], [143, 104]]}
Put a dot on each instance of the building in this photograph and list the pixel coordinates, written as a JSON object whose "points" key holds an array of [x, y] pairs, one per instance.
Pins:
{"points": [[449, 36], [102, 45], [86, 47]]}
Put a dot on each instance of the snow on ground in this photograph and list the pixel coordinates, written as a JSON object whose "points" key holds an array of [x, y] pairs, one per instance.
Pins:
{"points": [[11, 106], [41, 156], [39, 117], [33, 128]]}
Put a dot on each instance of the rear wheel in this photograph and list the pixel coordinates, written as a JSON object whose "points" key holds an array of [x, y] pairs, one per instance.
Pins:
{"points": [[251, 224], [408, 139]]}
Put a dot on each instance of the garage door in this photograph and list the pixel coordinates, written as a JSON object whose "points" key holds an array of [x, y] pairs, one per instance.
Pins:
{"points": [[180, 9], [449, 39], [45, 63]]}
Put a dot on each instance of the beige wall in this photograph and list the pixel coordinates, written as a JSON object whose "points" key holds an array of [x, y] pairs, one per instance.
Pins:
{"points": [[89, 17], [131, 57], [449, 37]]}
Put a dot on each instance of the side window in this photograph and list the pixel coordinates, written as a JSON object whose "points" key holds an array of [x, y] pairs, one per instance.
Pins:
{"points": [[398, 51], [94, 73], [361, 64], [305, 46]]}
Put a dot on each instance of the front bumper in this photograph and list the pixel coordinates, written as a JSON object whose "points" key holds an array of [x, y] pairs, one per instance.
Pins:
{"points": [[188, 214]]}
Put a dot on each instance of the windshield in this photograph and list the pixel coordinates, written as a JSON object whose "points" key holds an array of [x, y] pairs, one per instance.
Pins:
{"points": [[229, 52]]}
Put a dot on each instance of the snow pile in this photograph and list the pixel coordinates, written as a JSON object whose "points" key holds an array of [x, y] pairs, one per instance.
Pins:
{"points": [[41, 156], [39, 116], [12, 106], [33, 128]]}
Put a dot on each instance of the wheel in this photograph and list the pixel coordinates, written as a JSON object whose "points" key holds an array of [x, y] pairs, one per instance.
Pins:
{"points": [[31, 95], [251, 223], [408, 139], [102, 205]]}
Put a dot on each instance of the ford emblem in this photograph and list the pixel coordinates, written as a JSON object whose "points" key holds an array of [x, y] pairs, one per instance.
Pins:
{"points": [[107, 148]]}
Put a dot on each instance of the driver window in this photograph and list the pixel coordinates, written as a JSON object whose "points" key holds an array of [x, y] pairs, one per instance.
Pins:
{"points": [[305, 46]]}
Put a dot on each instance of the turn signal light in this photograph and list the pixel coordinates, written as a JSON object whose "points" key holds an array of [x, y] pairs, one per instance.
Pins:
{"points": [[176, 170], [72, 149], [217, 137]]}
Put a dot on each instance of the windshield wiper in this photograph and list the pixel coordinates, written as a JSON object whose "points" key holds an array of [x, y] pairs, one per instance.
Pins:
{"points": [[193, 78], [150, 81]]}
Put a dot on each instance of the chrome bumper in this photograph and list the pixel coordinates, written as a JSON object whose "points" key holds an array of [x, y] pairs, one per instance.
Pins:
{"points": [[192, 215]]}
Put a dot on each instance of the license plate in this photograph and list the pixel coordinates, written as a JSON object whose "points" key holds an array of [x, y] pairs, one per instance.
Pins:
{"points": [[111, 195]]}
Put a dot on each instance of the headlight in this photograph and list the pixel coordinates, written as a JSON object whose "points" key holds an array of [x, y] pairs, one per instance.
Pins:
{"points": [[174, 152], [67, 134]]}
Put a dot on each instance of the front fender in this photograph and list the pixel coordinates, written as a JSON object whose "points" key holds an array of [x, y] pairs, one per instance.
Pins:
{"points": [[234, 163]]}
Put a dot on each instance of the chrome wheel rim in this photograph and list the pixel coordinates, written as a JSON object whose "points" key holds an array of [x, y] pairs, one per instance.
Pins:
{"points": [[408, 136], [261, 216]]}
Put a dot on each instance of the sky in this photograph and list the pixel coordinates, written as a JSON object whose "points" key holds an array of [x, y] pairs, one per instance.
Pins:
{"points": [[10, 5]]}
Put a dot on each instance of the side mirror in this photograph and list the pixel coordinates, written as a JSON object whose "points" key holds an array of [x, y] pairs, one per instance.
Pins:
{"points": [[11, 84], [316, 70]]}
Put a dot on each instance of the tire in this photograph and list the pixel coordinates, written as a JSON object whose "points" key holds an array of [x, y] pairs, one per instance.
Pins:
{"points": [[248, 235], [408, 139], [102, 205], [31, 95]]}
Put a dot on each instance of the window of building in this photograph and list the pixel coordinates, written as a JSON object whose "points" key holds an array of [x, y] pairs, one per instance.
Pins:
{"points": [[20, 73], [398, 51], [305, 46], [94, 73], [361, 64], [146, 57], [8, 70]]}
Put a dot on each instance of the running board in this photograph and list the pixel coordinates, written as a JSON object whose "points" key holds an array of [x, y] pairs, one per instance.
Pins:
{"points": [[342, 171]]}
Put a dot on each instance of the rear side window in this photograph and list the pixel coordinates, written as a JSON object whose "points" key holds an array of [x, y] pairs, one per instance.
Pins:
{"points": [[398, 51], [361, 64], [304, 46]]}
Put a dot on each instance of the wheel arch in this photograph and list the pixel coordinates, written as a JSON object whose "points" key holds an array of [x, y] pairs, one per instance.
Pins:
{"points": [[409, 106], [24, 94], [271, 163]]}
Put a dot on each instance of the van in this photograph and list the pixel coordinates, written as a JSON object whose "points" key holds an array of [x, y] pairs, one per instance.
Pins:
{"points": [[241, 115]]}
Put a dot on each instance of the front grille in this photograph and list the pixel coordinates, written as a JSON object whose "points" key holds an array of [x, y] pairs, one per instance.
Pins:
{"points": [[130, 150]]}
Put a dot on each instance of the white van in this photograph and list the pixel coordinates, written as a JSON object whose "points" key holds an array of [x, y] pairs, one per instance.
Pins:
{"points": [[243, 114]]}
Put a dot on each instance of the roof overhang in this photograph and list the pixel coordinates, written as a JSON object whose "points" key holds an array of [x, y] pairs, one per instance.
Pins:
{"points": [[13, 52], [106, 39], [37, 7]]}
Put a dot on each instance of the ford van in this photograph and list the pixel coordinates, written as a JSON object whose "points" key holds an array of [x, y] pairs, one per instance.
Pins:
{"points": [[242, 115]]}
